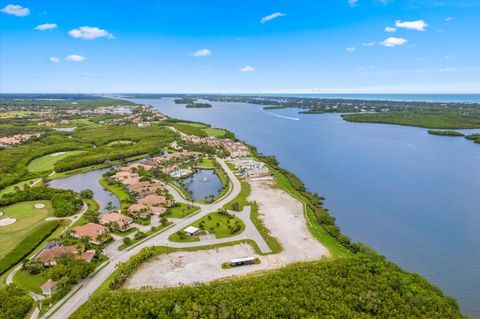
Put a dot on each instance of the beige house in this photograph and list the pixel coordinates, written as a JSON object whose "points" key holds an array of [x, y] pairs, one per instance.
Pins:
{"points": [[122, 221], [49, 257], [92, 231]]}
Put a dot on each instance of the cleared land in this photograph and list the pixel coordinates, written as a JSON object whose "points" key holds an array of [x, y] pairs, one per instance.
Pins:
{"points": [[46, 163], [28, 219], [281, 214]]}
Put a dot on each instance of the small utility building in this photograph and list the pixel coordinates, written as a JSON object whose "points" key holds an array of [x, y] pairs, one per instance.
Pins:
{"points": [[191, 231]]}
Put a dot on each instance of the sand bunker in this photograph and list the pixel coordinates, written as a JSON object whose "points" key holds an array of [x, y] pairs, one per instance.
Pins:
{"points": [[39, 205], [57, 154], [7, 221]]}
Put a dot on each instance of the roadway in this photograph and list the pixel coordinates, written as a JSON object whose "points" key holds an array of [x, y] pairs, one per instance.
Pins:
{"points": [[80, 293]]}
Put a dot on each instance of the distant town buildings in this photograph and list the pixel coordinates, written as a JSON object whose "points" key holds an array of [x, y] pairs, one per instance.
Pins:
{"points": [[9, 141]]}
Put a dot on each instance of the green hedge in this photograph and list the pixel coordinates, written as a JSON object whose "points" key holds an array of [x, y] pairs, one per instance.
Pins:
{"points": [[27, 245], [125, 269]]}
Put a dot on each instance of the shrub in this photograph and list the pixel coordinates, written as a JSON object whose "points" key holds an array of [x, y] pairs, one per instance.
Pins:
{"points": [[16, 302]]}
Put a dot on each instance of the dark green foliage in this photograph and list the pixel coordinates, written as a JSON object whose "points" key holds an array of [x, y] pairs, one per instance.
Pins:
{"points": [[15, 302], [445, 133], [361, 287], [86, 193], [127, 268], [184, 100], [64, 202], [474, 137], [442, 119], [198, 106], [70, 270], [27, 245]]}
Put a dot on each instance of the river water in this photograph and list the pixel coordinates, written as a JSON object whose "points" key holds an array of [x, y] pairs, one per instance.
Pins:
{"points": [[410, 195]]}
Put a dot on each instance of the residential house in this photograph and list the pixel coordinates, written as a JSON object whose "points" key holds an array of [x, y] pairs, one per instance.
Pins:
{"points": [[93, 231], [155, 200], [50, 256], [122, 221]]}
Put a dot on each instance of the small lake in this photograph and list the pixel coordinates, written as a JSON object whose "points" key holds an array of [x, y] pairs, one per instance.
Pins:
{"points": [[88, 180], [410, 195], [203, 183]]}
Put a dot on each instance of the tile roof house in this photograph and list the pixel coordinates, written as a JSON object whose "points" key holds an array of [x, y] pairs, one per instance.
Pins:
{"points": [[122, 221], [155, 200], [146, 188], [50, 256], [143, 210], [92, 231]]}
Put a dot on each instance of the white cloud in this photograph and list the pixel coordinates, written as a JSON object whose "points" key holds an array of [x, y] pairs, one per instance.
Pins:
{"points": [[449, 19], [393, 42], [351, 49], [418, 25], [90, 33], [272, 16], [54, 59], [16, 10], [352, 3], [75, 58], [247, 69], [390, 29], [46, 26], [202, 52], [369, 44]]}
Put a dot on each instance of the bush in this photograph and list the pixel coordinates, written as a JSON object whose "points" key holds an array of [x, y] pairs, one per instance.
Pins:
{"points": [[125, 269], [27, 245], [16, 302], [127, 241]]}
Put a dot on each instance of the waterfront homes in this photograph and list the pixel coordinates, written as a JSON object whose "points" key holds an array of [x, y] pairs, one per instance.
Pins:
{"points": [[146, 188], [235, 149], [94, 232], [50, 256], [174, 156], [155, 200], [121, 221], [247, 167]]}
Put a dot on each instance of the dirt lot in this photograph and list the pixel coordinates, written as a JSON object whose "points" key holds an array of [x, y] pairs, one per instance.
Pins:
{"points": [[281, 213]]}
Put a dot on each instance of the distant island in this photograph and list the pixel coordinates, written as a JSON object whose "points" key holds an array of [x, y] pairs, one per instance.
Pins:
{"points": [[184, 100], [445, 133], [198, 106]]}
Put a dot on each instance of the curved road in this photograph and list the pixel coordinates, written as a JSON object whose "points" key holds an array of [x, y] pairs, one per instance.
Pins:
{"points": [[80, 293]]}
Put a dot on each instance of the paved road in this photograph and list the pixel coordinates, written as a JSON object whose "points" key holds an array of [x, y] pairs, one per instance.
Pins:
{"points": [[80, 293]]}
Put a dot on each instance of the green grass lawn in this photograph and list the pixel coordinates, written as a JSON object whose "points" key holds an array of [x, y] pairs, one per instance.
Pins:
{"points": [[118, 190], [207, 163], [214, 223], [46, 163], [29, 282], [181, 211], [28, 218], [11, 188], [120, 142], [214, 132], [241, 198]]}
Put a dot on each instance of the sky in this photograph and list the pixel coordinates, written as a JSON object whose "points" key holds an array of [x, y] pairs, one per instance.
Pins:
{"points": [[240, 46]]}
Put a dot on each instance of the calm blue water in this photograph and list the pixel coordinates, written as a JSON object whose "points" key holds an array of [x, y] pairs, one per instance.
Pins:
{"points": [[410, 195], [203, 184], [88, 180]]}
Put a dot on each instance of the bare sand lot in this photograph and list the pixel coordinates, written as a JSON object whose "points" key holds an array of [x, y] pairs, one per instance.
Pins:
{"points": [[280, 213]]}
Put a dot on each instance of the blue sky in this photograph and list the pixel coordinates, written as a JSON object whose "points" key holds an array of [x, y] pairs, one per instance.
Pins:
{"points": [[244, 46]]}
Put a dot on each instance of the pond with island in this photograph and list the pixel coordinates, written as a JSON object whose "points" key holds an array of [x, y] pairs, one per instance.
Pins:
{"points": [[88, 180], [203, 184]]}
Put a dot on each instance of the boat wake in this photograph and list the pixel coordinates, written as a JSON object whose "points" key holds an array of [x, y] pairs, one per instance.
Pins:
{"points": [[285, 117]]}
